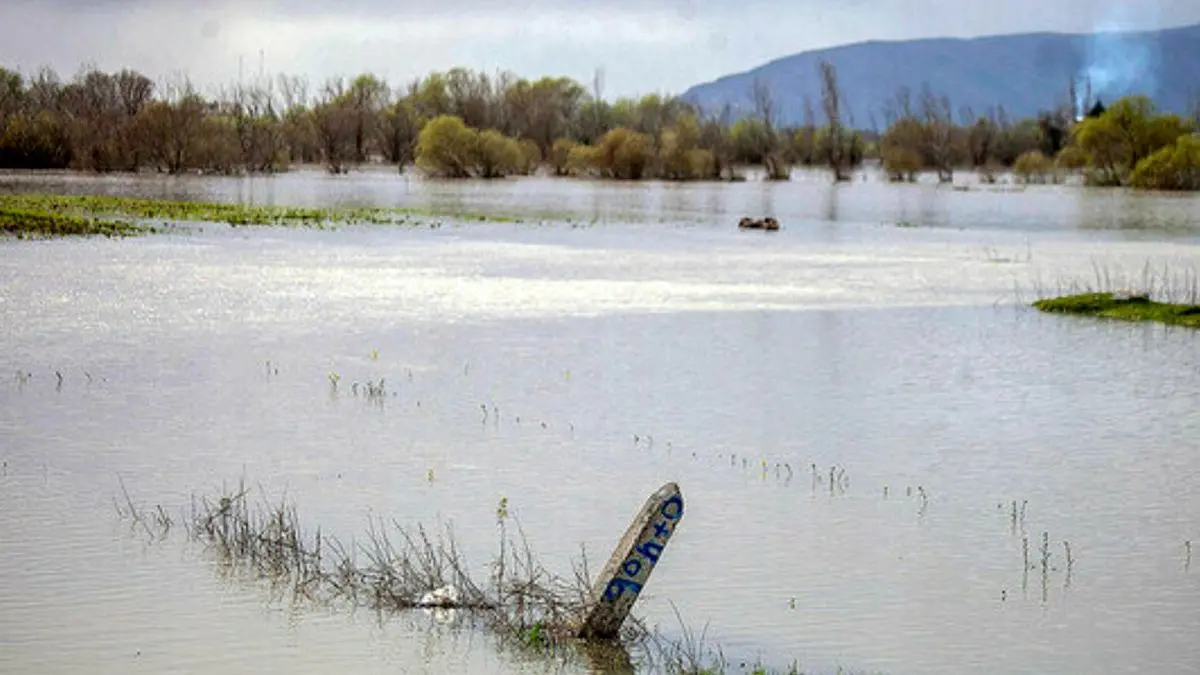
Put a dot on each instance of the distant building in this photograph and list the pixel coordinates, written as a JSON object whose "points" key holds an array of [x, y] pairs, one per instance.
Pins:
{"points": [[1095, 111]]}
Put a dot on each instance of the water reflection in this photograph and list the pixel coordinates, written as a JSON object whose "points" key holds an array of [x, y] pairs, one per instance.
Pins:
{"points": [[810, 197]]}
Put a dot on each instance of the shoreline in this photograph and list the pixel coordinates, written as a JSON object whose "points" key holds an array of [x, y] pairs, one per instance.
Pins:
{"points": [[870, 171]]}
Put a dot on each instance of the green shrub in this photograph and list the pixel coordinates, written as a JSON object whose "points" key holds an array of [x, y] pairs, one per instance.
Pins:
{"points": [[1175, 167]]}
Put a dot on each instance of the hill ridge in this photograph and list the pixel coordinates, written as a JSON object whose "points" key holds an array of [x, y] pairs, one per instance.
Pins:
{"points": [[1023, 72]]}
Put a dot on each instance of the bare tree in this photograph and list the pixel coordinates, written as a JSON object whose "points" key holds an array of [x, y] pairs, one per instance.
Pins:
{"points": [[714, 135], [904, 107], [297, 126], [1074, 104], [774, 161], [12, 92], [831, 101], [939, 133], [502, 82], [134, 92], [293, 91], [336, 121], [368, 95], [807, 141], [890, 114], [258, 125], [44, 91], [966, 115], [171, 125], [598, 94], [764, 102], [398, 128], [93, 104]]}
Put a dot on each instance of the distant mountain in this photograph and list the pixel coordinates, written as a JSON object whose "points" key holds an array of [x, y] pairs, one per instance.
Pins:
{"points": [[1025, 73]]}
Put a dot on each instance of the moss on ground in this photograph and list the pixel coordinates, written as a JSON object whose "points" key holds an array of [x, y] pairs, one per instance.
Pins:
{"points": [[1125, 308]]}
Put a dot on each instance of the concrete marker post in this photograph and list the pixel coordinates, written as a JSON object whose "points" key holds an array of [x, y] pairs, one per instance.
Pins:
{"points": [[623, 578]]}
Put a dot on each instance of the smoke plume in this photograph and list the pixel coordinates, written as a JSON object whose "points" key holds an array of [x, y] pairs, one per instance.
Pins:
{"points": [[1117, 61]]}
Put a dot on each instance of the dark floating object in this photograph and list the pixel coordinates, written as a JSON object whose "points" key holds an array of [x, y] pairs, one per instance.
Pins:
{"points": [[758, 224]]}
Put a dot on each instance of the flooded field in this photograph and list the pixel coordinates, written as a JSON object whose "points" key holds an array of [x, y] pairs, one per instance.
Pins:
{"points": [[620, 336]]}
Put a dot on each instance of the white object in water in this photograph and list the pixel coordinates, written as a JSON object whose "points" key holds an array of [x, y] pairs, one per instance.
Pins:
{"points": [[446, 596]]}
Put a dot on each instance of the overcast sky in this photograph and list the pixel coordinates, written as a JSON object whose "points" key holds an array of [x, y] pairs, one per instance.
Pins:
{"points": [[643, 45]]}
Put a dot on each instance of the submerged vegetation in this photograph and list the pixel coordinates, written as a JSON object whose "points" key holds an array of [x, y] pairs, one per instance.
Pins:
{"points": [[1130, 307], [64, 215], [1165, 296], [27, 220], [393, 569], [466, 124], [396, 568]]}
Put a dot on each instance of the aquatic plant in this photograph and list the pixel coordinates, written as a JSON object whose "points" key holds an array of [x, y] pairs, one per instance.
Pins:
{"points": [[394, 568], [1165, 295], [35, 214], [1070, 563], [1016, 517], [1125, 308], [1161, 283], [691, 653], [155, 522], [24, 222]]}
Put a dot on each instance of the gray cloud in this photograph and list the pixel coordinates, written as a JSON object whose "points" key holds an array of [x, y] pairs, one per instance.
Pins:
{"points": [[643, 45]]}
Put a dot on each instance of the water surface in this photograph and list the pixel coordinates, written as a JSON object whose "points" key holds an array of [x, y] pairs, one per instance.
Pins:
{"points": [[628, 335]]}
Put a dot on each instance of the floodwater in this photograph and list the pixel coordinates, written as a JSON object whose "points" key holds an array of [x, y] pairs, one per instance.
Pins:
{"points": [[628, 335]]}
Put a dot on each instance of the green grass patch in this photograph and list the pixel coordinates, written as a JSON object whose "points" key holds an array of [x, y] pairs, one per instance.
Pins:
{"points": [[26, 223], [1125, 308], [68, 215]]}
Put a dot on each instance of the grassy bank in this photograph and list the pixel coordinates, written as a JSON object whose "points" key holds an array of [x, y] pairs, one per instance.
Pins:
{"points": [[46, 215], [1125, 308]]}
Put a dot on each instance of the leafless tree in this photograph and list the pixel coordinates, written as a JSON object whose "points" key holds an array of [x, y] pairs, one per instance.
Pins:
{"points": [[966, 115], [255, 111], [774, 161], [13, 98], [713, 135], [939, 131], [93, 104], [398, 129], [764, 102], [134, 90], [831, 101], [336, 124], [296, 120], [44, 91], [293, 91], [806, 141], [1074, 104], [171, 126], [367, 96]]}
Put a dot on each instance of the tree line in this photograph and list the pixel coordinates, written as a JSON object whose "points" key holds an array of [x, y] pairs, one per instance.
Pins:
{"points": [[463, 123]]}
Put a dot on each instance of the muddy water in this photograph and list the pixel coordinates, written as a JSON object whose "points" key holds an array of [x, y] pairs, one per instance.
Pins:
{"points": [[627, 336]]}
